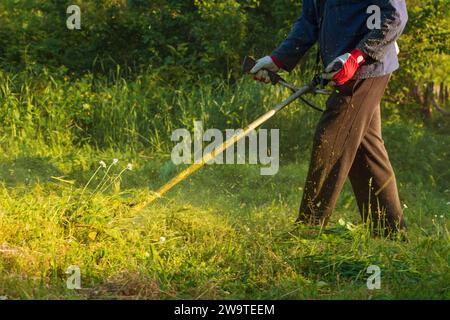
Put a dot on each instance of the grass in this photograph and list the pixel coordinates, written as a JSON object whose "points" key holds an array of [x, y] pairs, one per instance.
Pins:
{"points": [[225, 232]]}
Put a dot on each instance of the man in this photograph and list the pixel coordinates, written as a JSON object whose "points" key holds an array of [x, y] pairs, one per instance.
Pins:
{"points": [[348, 138]]}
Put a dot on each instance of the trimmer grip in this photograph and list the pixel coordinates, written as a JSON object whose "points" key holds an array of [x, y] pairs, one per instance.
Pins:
{"points": [[249, 63], [320, 82]]}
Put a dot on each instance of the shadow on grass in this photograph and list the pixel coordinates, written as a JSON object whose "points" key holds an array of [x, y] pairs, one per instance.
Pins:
{"points": [[27, 171]]}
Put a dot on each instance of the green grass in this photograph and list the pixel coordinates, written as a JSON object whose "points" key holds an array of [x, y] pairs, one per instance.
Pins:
{"points": [[226, 232]]}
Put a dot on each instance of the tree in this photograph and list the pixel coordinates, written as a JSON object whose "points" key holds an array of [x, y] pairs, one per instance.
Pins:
{"points": [[424, 76]]}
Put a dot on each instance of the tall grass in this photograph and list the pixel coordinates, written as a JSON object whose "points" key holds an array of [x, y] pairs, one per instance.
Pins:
{"points": [[55, 111], [211, 238], [113, 112], [226, 232]]}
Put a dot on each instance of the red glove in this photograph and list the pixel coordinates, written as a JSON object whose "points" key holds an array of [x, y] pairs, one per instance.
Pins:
{"points": [[277, 62], [343, 68]]}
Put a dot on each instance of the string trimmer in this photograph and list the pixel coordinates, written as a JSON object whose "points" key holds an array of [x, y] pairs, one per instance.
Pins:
{"points": [[297, 93]]}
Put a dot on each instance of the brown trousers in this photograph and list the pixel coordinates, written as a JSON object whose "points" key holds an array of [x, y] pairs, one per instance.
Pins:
{"points": [[348, 142]]}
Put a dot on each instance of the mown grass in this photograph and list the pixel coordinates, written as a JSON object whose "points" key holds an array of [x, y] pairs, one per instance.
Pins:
{"points": [[225, 232]]}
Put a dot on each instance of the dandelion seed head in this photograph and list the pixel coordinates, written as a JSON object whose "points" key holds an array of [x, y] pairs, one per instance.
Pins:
{"points": [[115, 160], [102, 164], [162, 239], [129, 166]]}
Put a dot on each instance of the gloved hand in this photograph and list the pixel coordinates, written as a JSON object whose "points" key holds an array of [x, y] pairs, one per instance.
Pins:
{"points": [[267, 63], [344, 67]]}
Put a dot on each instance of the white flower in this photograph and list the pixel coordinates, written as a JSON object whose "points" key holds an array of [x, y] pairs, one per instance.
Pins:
{"points": [[442, 216], [129, 166], [162, 239], [405, 206], [102, 164], [115, 160]]}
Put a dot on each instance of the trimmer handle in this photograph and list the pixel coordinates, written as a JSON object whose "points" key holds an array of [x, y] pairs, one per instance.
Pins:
{"points": [[250, 62], [320, 82]]}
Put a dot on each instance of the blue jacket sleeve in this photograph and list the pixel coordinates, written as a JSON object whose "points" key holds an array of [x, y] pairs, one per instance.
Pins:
{"points": [[393, 21], [303, 35]]}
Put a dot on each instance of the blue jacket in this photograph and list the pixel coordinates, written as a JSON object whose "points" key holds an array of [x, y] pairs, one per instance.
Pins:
{"points": [[345, 28]]}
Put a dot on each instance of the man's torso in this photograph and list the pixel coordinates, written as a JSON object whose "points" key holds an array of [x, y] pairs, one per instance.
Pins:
{"points": [[345, 23]]}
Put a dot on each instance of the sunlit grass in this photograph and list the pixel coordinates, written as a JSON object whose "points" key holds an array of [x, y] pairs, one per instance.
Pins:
{"points": [[226, 232], [211, 237]]}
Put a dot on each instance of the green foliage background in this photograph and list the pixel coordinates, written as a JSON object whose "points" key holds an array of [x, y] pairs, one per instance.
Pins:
{"points": [[209, 35], [147, 49]]}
